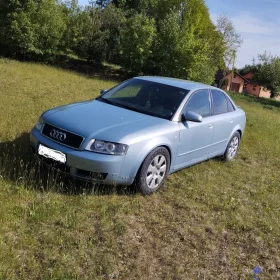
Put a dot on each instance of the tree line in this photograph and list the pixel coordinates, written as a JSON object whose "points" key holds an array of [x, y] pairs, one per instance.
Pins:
{"points": [[158, 37]]}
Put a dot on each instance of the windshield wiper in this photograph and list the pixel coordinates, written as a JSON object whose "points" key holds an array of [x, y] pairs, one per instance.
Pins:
{"points": [[132, 108], [113, 103], [105, 100]]}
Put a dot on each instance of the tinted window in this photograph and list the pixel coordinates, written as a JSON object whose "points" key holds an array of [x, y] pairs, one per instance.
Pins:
{"points": [[230, 106], [146, 97], [199, 103], [220, 102]]}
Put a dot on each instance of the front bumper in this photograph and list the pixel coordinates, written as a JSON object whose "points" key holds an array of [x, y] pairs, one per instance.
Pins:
{"points": [[86, 165]]}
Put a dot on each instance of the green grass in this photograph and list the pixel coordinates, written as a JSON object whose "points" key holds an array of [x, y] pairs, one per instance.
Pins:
{"points": [[214, 220]]}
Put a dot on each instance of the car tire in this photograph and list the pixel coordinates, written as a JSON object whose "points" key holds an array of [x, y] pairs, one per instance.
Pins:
{"points": [[232, 147], [153, 171]]}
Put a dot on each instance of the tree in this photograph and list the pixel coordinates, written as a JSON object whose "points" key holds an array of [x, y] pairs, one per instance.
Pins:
{"points": [[268, 73], [172, 38], [187, 45], [104, 38], [136, 41], [205, 43], [248, 69], [102, 3], [4, 9], [232, 41], [137, 5], [78, 23], [34, 29]]}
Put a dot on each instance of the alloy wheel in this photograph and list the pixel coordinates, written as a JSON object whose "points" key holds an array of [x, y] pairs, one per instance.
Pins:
{"points": [[233, 147], [156, 171]]}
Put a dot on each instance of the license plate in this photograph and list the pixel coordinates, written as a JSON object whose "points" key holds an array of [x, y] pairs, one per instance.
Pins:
{"points": [[52, 154]]}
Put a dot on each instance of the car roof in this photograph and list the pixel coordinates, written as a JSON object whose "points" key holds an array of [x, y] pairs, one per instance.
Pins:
{"points": [[184, 84]]}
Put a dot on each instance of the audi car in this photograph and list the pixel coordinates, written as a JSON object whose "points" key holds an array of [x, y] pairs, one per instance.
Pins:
{"points": [[140, 131]]}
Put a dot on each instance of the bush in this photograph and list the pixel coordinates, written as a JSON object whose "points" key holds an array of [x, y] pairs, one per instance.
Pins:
{"points": [[35, 29], [104, 35], [136, 42]]}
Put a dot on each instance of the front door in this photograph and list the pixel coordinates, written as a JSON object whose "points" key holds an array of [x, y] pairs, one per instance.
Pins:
{"points": [[196, 138]]}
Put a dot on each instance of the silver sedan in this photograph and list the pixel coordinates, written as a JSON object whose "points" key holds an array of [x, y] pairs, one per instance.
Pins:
{"points": [[140, 131]]}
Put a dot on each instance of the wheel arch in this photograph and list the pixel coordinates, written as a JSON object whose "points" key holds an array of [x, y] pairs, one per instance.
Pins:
{"points": [[238, 129], [240, 132], [167, 147], [150, 152]]}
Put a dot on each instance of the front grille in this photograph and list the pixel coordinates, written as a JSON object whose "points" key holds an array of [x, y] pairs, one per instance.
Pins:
{"points": [[71, 140]]}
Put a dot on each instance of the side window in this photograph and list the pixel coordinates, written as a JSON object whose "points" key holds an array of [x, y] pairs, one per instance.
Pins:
{"points": [[199, 103], [220, 102], [230, 106]]}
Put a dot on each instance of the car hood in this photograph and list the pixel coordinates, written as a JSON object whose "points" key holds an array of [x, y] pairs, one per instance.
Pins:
{"points": [[98, 120]]}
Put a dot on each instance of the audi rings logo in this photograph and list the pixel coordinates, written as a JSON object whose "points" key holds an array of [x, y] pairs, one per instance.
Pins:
{"points": [[58, 135]]}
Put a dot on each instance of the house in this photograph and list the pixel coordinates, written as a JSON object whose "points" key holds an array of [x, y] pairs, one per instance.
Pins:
{"points": [[239, 83], [255, 89], [235, 82]]}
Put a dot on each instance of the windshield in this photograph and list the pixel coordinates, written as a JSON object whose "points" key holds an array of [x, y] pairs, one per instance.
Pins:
{"points": [[146, 97]]}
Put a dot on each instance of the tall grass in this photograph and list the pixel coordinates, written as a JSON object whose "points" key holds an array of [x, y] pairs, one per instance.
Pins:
{"points": [[214, 220]]}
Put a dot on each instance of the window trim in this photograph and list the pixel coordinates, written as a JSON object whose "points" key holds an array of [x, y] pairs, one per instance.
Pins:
{"points": [[228, 101], [190, 97], [212, 103]]}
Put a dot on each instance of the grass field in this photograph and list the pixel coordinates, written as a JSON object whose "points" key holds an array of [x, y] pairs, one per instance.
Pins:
{"points": [[214, 220]]}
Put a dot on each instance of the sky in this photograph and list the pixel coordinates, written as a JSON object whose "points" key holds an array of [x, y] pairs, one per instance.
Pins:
{"points": [[257, 21]]}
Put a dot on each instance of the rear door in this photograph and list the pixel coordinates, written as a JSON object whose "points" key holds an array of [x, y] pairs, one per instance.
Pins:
{"points": [[223, 120]]}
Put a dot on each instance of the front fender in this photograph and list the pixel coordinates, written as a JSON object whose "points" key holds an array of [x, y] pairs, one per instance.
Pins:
{"points": [[139, 151]]}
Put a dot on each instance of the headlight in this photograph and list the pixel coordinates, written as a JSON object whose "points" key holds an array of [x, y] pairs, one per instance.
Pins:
{"points": [[39, 124], [104, 147]]}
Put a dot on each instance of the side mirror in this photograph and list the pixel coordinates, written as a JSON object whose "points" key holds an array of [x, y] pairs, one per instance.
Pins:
{"points": [[103, 91], [191, 116]]}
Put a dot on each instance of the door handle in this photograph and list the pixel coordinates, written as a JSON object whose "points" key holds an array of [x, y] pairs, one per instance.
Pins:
{"points": [[231, 121], [211, 126]]}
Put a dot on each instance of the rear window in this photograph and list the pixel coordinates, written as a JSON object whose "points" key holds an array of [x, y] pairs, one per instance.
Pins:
{"points": [[220, 102], [230, 106]]}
